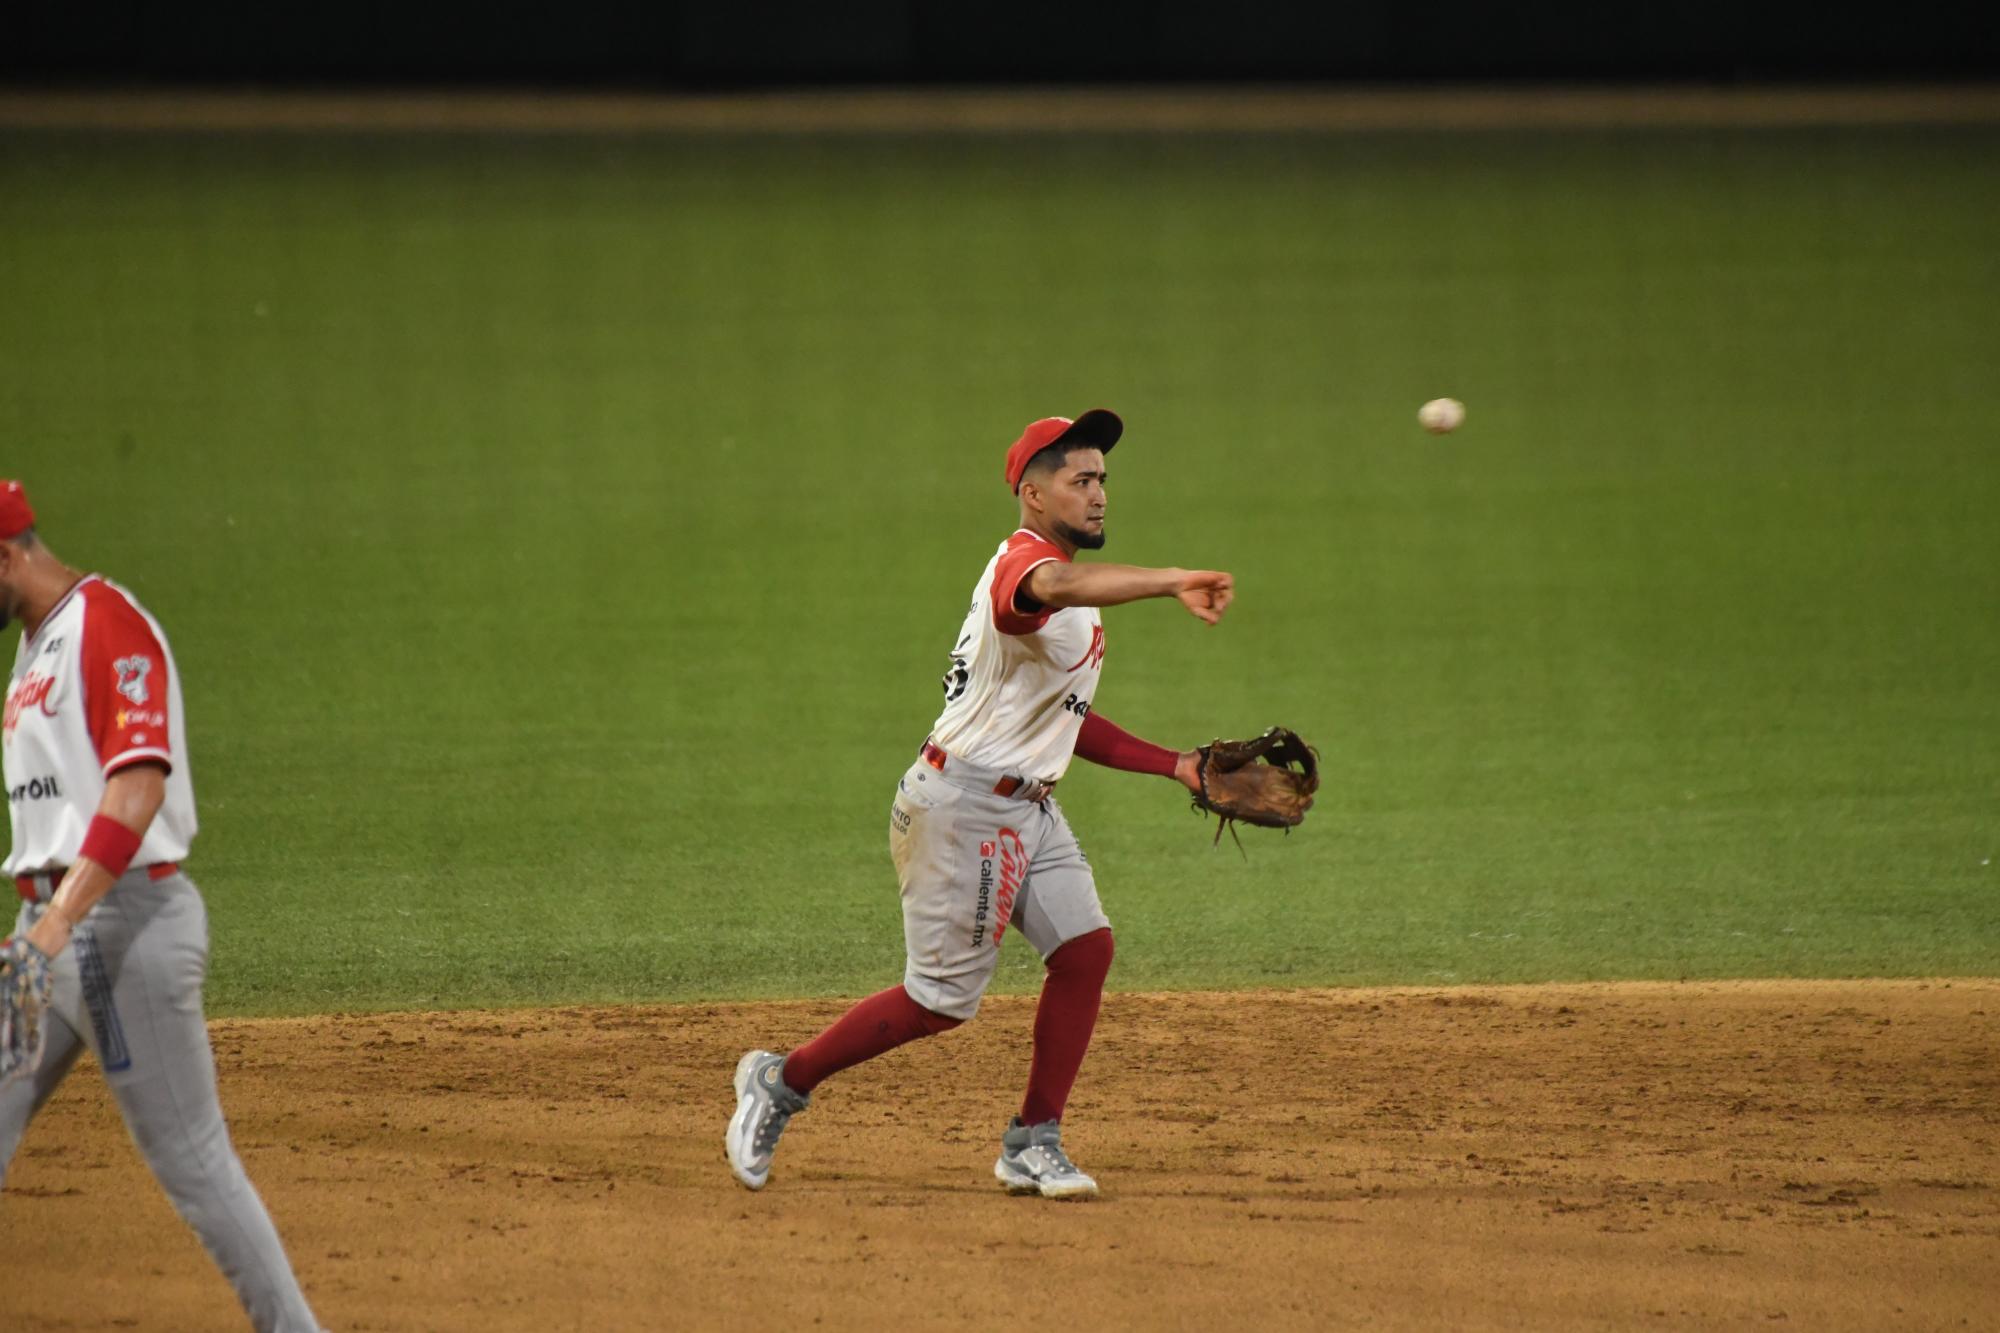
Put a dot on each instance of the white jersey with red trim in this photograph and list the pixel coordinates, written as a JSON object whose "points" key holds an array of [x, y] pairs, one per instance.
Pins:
{"points": [[1020, 686], [94, 690]]}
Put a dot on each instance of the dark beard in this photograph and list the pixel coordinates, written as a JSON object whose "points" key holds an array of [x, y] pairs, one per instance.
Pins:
{"points": [[1083, 541]]}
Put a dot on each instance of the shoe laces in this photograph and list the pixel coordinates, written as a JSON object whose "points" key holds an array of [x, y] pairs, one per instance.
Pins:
{"points": [[770, 1127], [782, 1105], [1056, 1158], [1047, 1140]]}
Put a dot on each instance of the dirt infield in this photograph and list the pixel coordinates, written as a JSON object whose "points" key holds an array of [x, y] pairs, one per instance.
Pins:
{"points": [[1810, 1155]]}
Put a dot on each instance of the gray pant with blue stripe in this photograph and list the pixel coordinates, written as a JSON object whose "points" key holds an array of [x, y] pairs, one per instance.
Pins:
{"points": [[128, 989]]}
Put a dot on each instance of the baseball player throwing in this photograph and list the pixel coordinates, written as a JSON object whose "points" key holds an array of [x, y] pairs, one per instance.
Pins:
{"points": [[977, 837], [102, 808]]}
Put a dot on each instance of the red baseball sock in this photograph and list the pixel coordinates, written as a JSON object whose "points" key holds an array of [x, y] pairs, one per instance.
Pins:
{"points": [[879, 1023], [1064, 1020]]}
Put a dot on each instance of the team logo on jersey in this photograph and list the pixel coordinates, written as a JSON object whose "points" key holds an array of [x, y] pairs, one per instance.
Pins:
{"points": [[132, 673], [1093, 655], [33, 691]]}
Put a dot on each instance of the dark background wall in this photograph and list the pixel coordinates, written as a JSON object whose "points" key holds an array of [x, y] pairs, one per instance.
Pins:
{"points": [[679, 43]]}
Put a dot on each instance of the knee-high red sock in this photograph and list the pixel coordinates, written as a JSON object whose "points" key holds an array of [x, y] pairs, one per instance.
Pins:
{"points": [[879, 1023], [1064, 1020]]}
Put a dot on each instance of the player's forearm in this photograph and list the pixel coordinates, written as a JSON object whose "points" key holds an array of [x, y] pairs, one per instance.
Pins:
{"points": [[1101, 585], [82, 887], [131, 798], [1102, 741]]}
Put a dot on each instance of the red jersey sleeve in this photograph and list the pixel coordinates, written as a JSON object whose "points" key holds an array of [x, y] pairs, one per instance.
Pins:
{"points": [[124, 671], [1024, 553]]}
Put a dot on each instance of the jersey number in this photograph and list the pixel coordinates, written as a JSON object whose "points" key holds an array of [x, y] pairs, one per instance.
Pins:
{"points": [[955, 680], [960, 674]]}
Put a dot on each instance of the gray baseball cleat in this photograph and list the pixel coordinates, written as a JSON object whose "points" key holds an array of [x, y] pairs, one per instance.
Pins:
{"points": [[1032, 1162], [764, 1106]]}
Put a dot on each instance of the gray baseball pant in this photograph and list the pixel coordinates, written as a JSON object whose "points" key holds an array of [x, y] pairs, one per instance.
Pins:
{"points": [[973, 864], [128, 989]]}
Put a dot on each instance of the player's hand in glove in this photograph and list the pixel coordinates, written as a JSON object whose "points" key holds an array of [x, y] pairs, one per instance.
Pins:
{"points": [[24, 1004], [1268, 780]]}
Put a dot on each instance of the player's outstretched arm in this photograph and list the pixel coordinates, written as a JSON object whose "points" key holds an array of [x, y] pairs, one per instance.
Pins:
{"points": [[1102, 741], [132, 796], [1206, 593]]}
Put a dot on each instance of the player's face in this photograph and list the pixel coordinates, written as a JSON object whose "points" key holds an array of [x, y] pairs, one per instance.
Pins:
{"points": [[1075, 499]]}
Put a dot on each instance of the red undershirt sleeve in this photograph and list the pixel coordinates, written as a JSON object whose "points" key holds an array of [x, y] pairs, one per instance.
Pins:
{"points": [[1103, 741]]}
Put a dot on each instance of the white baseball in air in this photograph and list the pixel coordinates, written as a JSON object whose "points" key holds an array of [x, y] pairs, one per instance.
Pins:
{"points": [[1441, 416]]}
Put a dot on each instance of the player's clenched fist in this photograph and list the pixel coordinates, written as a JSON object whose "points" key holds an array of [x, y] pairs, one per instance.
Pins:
{"points": [[1206, 593]]}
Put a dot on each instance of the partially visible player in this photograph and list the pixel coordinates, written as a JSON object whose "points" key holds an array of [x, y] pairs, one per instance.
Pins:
{"points": [[102, 809], [977, 837]]}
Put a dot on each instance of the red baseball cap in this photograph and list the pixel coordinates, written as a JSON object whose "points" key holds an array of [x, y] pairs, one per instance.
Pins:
{"points": [[15, 515], [1097, 428]]}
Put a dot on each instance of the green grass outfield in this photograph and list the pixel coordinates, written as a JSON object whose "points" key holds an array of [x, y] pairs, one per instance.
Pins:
{"points": [[561, 537]]}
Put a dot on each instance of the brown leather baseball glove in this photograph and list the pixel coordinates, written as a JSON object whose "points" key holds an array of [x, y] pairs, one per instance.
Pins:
{"points": [[24, 1005], [1273, 794]]}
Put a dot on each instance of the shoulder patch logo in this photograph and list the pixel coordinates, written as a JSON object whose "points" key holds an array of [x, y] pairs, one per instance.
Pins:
{"points": [[132, 673]]}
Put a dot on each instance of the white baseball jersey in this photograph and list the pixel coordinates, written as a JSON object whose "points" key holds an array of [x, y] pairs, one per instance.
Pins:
{"points": [[1020, 686], [94, 690]]}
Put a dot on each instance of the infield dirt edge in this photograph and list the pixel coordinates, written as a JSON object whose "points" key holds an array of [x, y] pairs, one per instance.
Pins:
{"points": [[1588, 1155]]}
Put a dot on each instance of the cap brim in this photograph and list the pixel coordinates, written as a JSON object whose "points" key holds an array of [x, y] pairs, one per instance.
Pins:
{"points": [[1099, 428]]}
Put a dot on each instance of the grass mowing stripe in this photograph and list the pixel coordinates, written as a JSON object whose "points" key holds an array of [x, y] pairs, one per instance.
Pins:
{"points": [[562, 538]]}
